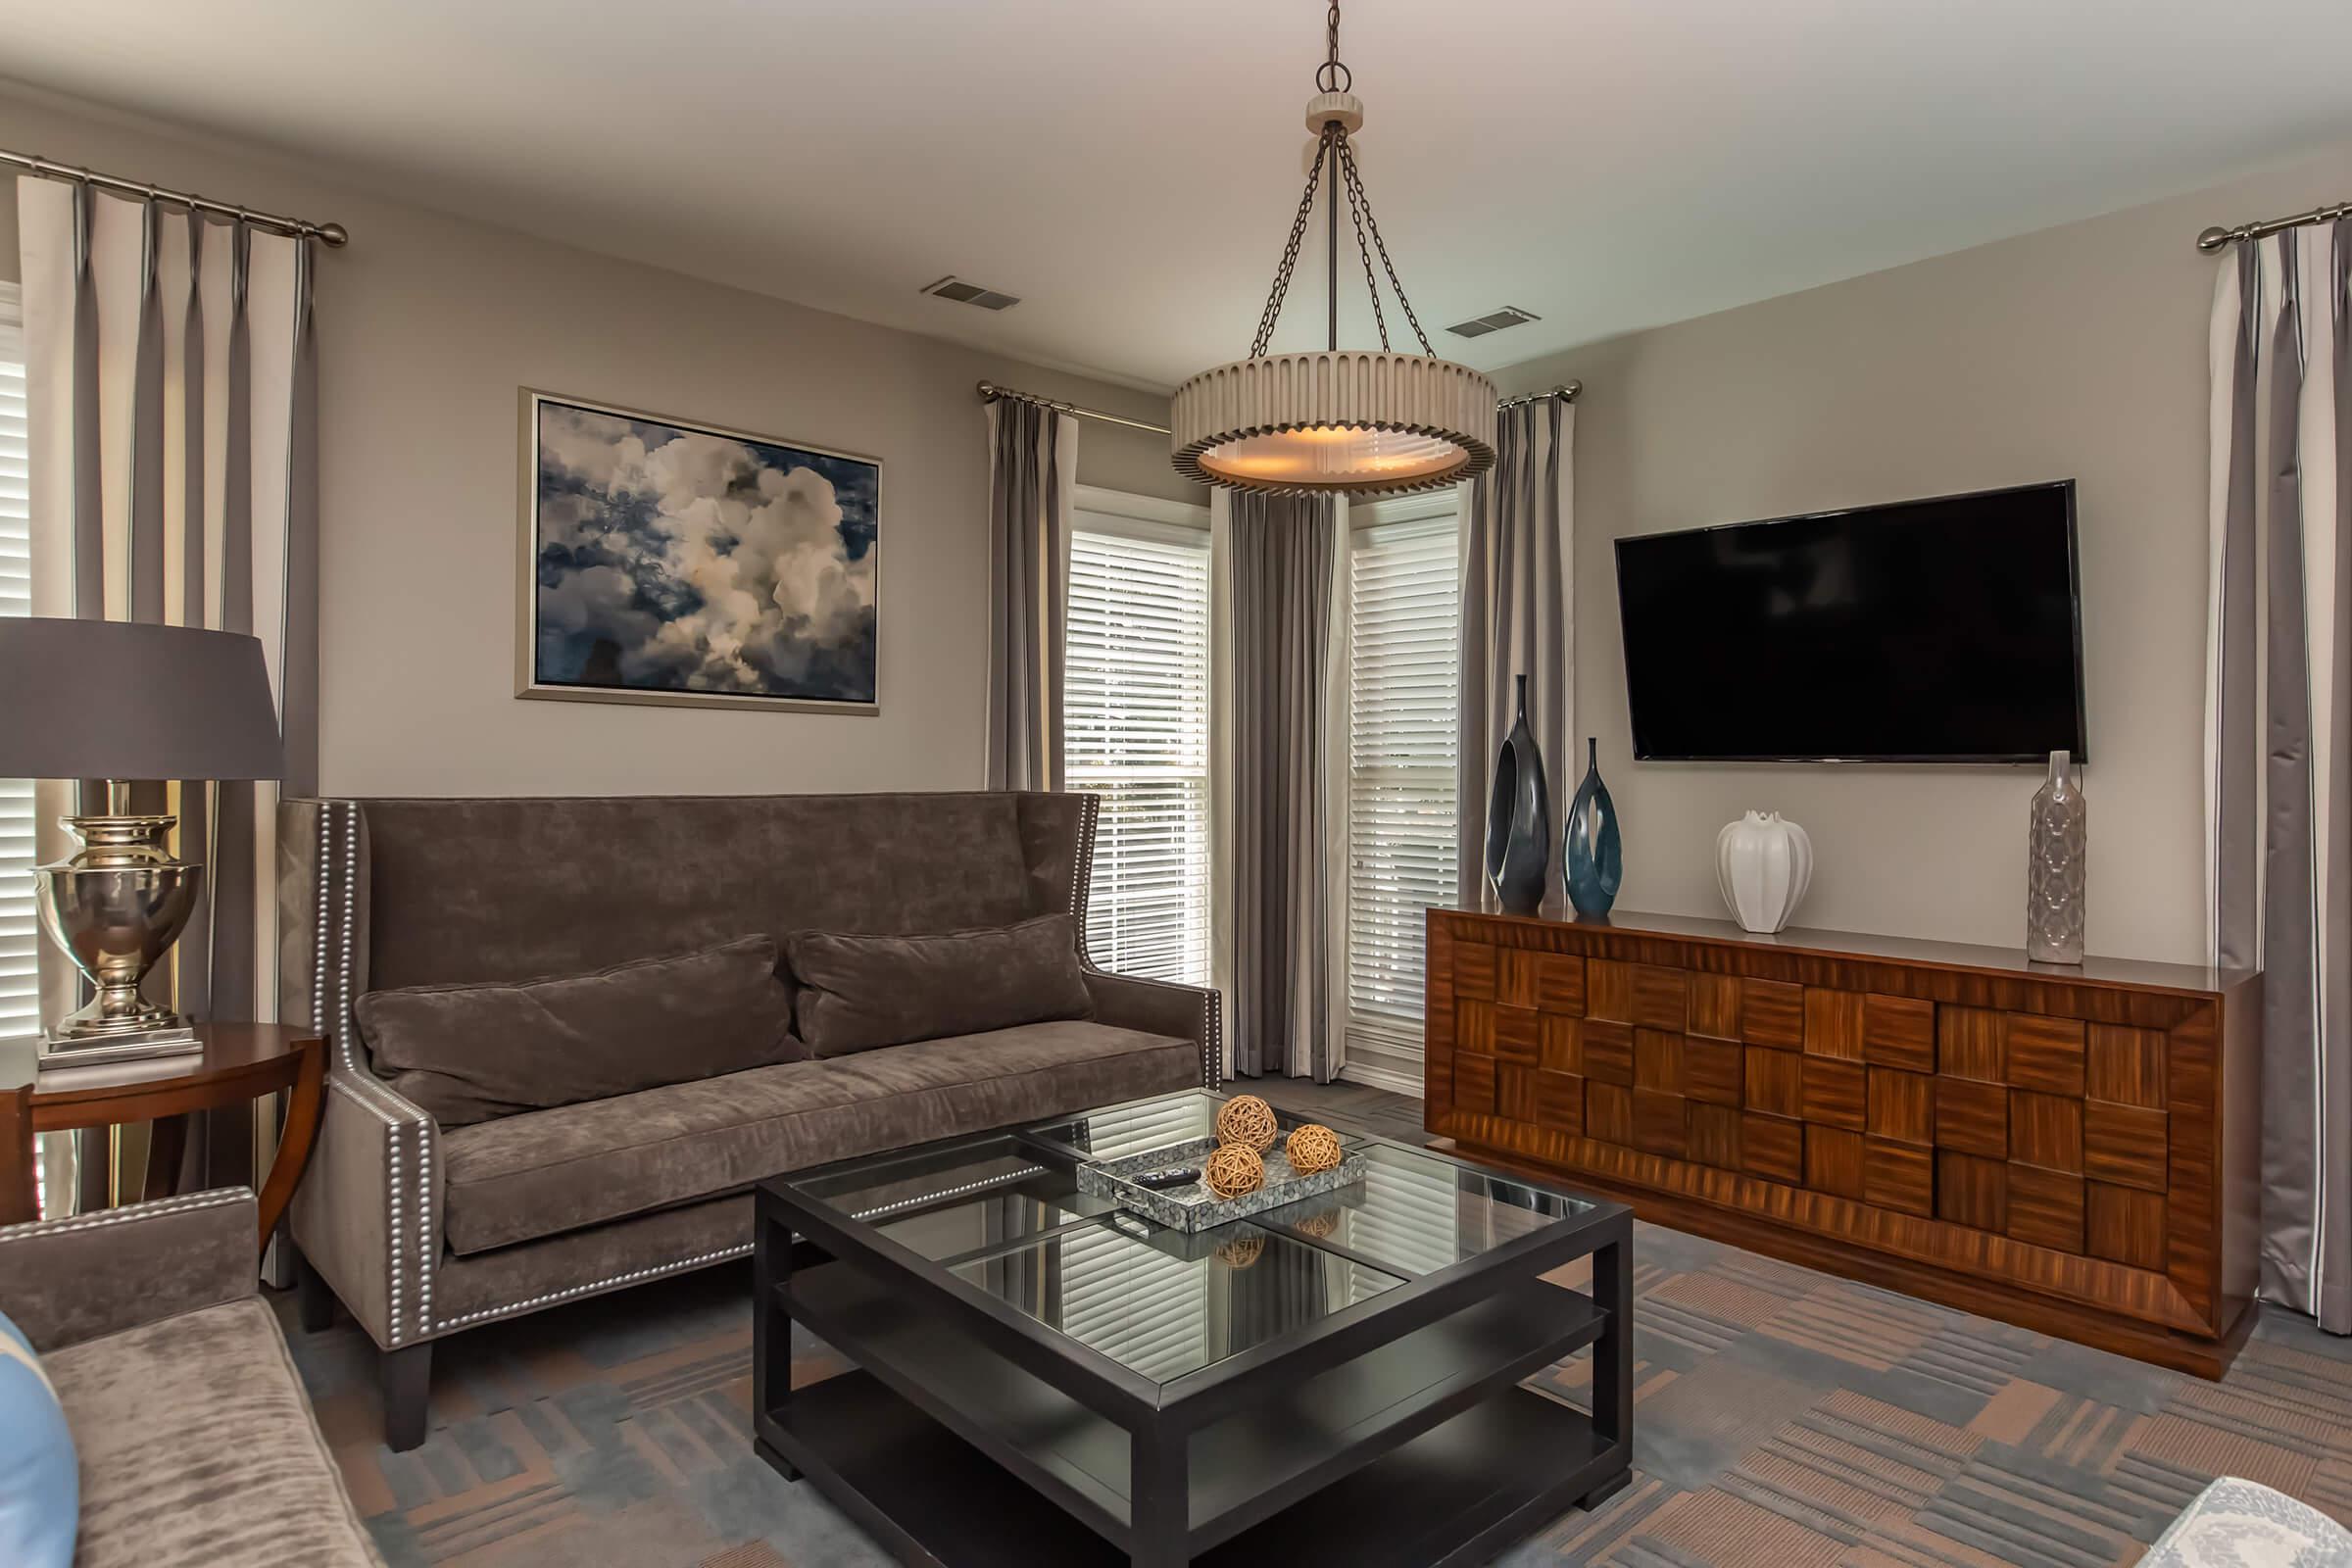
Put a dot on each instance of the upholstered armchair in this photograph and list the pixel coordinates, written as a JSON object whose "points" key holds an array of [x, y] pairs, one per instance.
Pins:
{"points": [[196, 1442]]}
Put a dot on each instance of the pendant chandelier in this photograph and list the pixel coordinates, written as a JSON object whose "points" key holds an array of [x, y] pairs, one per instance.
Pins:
{"points": [[1330, 421]]}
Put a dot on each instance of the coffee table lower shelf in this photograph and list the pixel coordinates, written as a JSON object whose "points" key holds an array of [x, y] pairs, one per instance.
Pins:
{"points": [[1453, 1495]]}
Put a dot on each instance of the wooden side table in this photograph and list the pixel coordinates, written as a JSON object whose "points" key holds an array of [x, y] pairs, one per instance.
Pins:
{"points": [[240, 1064]]}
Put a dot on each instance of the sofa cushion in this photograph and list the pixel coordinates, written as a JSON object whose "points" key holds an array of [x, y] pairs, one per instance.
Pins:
{"points": [[552, 1171], [471, 1053], [38, 1501], [857, 991], [198, 1447]]}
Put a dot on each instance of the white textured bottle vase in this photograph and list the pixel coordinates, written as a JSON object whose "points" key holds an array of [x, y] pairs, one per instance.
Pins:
{"points": [[2057, 866], [1764, 863]]}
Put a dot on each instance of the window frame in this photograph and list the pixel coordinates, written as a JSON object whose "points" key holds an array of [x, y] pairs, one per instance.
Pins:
{"points": [[1153, 519], [1383, 1043]]}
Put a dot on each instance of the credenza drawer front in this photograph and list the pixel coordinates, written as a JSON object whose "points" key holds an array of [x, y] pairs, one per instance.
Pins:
{"points": [[2059, 1138]]}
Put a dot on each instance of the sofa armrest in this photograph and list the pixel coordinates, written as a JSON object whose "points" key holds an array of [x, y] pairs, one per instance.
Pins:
{"points": [[1156, 1007], [63, 1280], [368, 1216]]}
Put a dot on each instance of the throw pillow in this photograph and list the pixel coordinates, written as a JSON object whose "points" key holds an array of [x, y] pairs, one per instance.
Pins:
{"points": [[40, 1486], [471, 1053], [857, 992]]}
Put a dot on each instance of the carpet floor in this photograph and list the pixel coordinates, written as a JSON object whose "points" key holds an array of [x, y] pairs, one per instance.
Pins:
{"points": [[1785, 1420]]}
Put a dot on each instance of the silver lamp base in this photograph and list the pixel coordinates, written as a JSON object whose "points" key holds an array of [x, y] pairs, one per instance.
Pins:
{"points": [[115, 907]]}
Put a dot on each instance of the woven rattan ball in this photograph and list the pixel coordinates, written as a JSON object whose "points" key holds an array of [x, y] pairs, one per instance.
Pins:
{"points": [[1241, 1251], [1322, 1224], [1233, 1171], [1248, 1120], [1313, 1147]]}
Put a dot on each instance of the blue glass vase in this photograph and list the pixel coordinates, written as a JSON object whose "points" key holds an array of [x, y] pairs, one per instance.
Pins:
{"points": [[1594, 859], [1518, 819]]}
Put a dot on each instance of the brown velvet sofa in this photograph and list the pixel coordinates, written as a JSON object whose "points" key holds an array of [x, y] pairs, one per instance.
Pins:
{"points": [[423, 1231], [196, 1441]]}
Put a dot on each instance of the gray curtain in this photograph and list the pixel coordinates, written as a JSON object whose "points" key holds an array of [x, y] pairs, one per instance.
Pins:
{"points": [[1032, 484], [1277, 557], [173, 398], [1518, 618], [2279, 729]]}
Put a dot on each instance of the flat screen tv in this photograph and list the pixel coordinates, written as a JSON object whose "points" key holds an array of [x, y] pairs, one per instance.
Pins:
{"points": [[1928, 631]]}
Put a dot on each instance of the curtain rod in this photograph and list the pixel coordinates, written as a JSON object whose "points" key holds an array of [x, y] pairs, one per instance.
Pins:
{"points": [[990, 392], [1566, 392], [334, 235], [2214, 239]]}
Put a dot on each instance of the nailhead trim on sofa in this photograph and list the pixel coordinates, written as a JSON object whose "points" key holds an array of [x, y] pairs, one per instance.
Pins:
{"points": [[214, 1199], [634, 1276]]}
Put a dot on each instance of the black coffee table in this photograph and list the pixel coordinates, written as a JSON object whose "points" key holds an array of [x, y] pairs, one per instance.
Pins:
{"points": [[1040, 1378]]}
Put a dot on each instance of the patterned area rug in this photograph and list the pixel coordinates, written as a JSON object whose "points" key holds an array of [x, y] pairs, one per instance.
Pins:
{"points": [[1785, 1420]]}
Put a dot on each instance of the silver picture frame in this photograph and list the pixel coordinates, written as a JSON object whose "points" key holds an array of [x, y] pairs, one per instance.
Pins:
{"points": [[533, 679]]}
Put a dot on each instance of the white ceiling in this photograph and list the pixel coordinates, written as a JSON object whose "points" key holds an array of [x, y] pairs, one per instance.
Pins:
{"points": [[1130, 171]]}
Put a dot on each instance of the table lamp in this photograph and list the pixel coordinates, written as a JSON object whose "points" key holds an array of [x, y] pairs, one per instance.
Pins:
{"points": [[121, 701]]}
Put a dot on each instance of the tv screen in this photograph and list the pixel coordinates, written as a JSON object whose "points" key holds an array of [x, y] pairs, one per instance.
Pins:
{"points": [[1928, 631]]}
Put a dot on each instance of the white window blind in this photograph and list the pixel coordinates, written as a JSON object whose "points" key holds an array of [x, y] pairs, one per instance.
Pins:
{"points": [[1142, 1307], [1135, 731], [20, 989], [1404, 578]]}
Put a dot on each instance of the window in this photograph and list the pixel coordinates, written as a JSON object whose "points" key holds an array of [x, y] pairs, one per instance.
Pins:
{"points": [[1134, 730], [20, 985], [1404, 578]]}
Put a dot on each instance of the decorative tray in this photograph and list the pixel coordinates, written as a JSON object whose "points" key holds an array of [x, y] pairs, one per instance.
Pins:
{"points": [[1193, 1207]]}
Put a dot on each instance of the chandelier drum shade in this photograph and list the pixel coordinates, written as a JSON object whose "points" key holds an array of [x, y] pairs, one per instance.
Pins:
{"points": [[1335, 420], [1329, 420]]}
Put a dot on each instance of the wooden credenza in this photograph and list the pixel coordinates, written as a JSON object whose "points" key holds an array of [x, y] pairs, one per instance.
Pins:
{"points": [[2072, 1150]]}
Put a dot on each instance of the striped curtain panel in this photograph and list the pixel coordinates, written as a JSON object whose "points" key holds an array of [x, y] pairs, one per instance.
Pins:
{"points": [[172, 389], [2279, 729], [1518, 618], [1032, 498]]}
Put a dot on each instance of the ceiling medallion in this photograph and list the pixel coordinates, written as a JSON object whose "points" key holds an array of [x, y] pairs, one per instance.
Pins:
{"points": [[1330, 420]]}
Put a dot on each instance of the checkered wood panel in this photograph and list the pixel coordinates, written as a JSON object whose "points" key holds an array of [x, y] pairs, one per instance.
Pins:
{"points": [[2044, 1130]]}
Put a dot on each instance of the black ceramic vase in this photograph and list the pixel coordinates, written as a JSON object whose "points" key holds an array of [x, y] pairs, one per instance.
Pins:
{"points": [[1518, 819], [1592, 853]]}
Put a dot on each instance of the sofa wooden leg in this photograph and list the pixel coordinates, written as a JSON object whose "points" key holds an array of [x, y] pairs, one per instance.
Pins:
{"points": [[317, 1302], [408, 1375]]}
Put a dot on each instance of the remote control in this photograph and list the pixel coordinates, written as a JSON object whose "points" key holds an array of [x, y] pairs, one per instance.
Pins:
{"points": [[1157, 1179]]}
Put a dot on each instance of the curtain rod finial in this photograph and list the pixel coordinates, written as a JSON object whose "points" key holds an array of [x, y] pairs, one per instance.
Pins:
{"points": [[2213, 239], [335, 235]]}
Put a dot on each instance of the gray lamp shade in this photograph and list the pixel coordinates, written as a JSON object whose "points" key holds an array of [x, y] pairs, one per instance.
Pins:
{"points": [[123, 700]]}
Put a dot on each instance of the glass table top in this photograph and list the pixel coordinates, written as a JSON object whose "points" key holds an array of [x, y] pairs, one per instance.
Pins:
{"points": [[1140, 1125], [1002, 1214]]}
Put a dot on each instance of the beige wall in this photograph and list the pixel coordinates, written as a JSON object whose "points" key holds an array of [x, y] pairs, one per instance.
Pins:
{"points": [[428, 324], [2077, 352]]}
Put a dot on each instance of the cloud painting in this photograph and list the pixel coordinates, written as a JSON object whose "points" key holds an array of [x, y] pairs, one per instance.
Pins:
{"points": [[676, 560]]}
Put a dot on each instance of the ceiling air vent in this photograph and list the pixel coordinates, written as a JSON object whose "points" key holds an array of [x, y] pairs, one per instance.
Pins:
{"points": [[1493, 322], [962, 293]]}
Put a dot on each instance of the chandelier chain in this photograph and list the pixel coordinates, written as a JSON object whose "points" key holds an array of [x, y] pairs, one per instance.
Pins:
{"points": [[1356, 190], [1332, 75], [1355, 211], [1290, 251]]}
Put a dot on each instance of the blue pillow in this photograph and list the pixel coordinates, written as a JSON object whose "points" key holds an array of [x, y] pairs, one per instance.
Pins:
{"points": [[40, 1486]]}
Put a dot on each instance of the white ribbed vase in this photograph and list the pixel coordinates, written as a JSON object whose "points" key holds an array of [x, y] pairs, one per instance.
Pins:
{"points": [[1764, 863]]}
